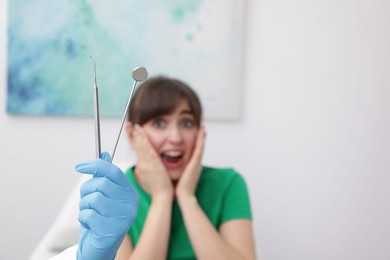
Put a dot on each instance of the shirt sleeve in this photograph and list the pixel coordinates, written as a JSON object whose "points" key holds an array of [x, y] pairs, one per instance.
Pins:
{"points": [[67, 254], [236, 203]]}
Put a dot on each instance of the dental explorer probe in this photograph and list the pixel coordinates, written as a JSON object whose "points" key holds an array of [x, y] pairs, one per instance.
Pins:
{"points": [[96, 112], [139, 74]]}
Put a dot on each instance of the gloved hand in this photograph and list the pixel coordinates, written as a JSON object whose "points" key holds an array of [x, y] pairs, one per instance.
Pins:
{"points": [[108, 207]]}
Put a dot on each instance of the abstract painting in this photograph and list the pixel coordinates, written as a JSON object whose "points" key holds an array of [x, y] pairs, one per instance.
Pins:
{"points": [[50, 72]]}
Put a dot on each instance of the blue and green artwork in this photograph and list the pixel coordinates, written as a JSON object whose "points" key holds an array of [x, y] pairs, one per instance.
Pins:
{"points": [[50, 43]]}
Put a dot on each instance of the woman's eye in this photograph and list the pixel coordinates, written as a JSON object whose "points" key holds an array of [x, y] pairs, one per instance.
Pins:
{"points": [[188, 123], [159, 123]]}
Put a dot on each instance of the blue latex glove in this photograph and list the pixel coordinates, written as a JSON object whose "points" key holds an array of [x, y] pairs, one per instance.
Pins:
{"points": [[108, 207]]}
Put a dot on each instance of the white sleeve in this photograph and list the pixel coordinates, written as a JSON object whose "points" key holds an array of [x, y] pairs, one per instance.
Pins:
{"points": [[67, 254]]}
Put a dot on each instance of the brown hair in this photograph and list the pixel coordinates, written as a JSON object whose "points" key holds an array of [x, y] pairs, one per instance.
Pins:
{"points": [[159, 96]]}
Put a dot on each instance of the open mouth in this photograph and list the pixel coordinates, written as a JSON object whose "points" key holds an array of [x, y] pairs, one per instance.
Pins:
{"points": [[172, 158]]}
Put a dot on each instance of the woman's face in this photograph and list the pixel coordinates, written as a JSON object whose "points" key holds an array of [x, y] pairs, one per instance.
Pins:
{"points": [[173, 137]]}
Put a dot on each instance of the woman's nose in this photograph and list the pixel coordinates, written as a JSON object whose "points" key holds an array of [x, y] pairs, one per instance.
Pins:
{"points": [[175, 136]]}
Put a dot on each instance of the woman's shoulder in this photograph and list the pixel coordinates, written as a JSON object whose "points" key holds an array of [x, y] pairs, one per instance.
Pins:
{"points": [[219, 174], [217, 170], [220, 182]]}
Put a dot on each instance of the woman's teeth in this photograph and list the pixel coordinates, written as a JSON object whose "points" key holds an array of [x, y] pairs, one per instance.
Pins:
{"points": [[174, 154]]}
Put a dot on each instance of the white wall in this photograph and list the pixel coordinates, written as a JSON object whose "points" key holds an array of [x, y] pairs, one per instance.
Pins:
{"points": [[313, 142]]}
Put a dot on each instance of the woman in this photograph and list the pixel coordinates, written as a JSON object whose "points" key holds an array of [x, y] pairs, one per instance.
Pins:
{"points": [[186, 210]]}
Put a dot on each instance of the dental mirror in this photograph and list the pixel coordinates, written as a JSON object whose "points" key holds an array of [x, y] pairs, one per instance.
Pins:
{"points": [[139, 74]]}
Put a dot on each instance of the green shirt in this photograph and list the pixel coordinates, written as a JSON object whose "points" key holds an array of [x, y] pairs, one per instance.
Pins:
{"points": [[221, 193]]}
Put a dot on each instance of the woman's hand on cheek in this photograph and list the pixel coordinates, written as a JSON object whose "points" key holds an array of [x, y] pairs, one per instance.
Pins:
{"points": [[149, 171], [189, 179]]}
